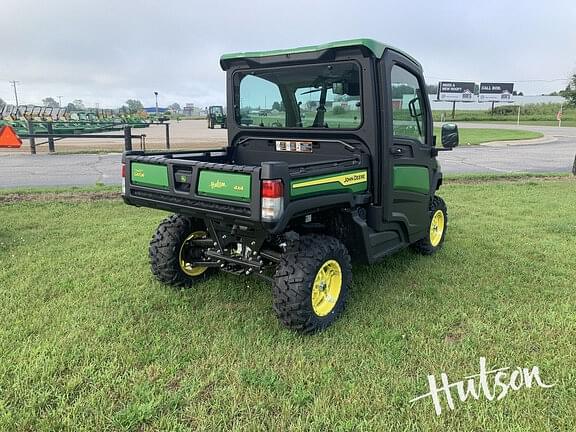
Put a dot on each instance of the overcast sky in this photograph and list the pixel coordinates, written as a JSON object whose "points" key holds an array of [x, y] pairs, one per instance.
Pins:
{"points": [[106, 51]]}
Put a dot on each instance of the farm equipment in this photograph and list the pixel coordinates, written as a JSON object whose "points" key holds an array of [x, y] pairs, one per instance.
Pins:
{"points": [[216, 116], [293, 198], [64, 122]]}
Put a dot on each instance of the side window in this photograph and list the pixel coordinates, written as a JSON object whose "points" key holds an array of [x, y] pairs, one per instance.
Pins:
{"points": [[408, 119]]}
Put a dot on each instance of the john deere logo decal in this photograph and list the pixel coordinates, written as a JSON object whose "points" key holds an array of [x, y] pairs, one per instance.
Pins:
{"points": [[354, 178], [343, 179], [217, 184], [139, 173]]}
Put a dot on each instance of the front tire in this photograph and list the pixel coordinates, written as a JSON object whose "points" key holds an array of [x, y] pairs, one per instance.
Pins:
{"points": [[171, 251], [311, 283], [436, 230]]}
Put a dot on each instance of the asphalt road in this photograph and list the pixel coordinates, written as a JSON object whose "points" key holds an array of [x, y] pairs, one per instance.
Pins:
{"points": [[21, 170]]}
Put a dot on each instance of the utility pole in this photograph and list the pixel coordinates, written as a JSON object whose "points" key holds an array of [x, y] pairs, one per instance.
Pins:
{"points": [[15, 92], [156, 94]]}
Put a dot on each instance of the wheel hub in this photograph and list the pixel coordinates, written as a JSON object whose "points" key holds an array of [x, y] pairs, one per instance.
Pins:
{"points": [[326, 288], [437, 228], [186, 253]]}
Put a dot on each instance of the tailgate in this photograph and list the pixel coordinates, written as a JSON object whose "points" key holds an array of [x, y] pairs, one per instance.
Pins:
{"points": [[183, 184]]}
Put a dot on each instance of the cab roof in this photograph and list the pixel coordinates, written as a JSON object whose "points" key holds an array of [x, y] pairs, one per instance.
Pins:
{"points": [[375, 47]]}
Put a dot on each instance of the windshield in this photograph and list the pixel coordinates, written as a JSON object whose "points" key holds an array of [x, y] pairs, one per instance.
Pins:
{"points": [[216, 110], [318, 96]]}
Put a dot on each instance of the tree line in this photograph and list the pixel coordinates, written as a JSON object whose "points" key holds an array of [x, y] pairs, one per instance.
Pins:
{"points": [[134, 105], [131, 106]]}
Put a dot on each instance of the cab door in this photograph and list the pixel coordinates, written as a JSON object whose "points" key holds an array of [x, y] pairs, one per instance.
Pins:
{"points": [[407, 154]]}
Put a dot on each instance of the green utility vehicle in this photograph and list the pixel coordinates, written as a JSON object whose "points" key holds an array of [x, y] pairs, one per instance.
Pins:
{"points": [[344, 166], [216, 116]]}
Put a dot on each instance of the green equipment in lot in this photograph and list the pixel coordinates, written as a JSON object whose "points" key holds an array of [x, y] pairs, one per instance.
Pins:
{"points": [[216, 116], [330, 157], [24, 117]]}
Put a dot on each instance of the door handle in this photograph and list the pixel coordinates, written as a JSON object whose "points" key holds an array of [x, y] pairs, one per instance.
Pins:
{"points": [[396, 150]]}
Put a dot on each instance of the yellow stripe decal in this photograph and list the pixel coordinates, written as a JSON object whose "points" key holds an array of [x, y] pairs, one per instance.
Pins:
{"points": [[344, 180]]}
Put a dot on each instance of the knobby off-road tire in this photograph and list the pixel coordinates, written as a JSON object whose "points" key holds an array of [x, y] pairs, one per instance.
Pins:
{"points": [[166, 248], [296, 291], [438, 224]]}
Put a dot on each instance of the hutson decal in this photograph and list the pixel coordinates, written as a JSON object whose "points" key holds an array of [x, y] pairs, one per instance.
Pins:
{"points": [[493, 384]]}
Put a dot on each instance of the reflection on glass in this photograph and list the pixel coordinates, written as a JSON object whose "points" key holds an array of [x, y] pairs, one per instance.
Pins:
{"points": [[318, 96]]}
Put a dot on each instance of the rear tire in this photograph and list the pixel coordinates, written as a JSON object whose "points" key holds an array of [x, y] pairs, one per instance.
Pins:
{"points": [[311, 283], [436, 229], [167, 256]]}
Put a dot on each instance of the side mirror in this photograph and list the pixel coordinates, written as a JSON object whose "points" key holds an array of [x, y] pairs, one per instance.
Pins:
{"points": [[414, 108], [449, 135]]}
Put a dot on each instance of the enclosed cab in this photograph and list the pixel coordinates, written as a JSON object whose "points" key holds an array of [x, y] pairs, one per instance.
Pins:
{"points": [[330, 156]]}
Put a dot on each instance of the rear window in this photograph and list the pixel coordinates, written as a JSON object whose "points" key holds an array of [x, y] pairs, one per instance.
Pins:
{"points": [[316, 96]]}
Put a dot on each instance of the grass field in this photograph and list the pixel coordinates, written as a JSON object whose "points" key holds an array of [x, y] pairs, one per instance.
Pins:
{"points": [[470, 136], [89, 341], [529, 114]]}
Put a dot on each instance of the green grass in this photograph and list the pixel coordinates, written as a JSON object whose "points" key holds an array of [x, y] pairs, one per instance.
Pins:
{"points": [[540, 112], [89, 341], [470, 136]]}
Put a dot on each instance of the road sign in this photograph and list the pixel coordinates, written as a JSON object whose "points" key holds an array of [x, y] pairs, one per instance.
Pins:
{"points": [[496, 92], [455, 91], [8, 138]]}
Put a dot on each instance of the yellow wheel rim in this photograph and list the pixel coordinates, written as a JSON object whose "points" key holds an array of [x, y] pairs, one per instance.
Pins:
{"points": [[326, 288], [437, 228], [186, 267]]}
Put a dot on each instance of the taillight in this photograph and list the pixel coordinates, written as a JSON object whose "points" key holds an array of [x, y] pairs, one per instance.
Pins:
{"points": [[123, 171], [272, 193]]}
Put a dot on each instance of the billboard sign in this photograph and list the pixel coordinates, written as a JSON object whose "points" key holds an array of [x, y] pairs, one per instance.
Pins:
{"points": [[496, 92], [455, 91]]}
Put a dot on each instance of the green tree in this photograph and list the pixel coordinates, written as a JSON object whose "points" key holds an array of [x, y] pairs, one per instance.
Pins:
{"points": [[78, 104], [2, 103], [50, 102], [134, 106], [570, 91], [276, 106], [175, 107]]}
